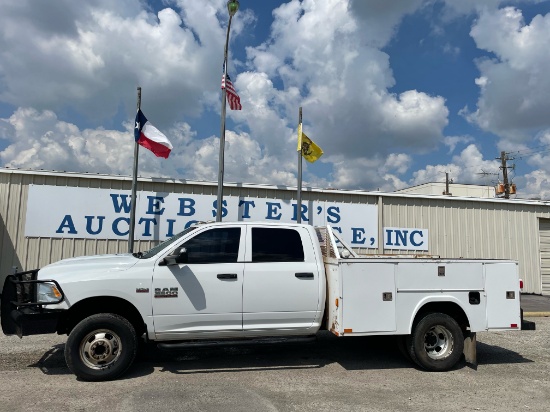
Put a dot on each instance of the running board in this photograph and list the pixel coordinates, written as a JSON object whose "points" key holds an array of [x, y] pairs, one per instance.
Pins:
{"points": [[235, 342]]}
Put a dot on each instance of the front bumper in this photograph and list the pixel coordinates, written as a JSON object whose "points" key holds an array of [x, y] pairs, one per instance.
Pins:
{"points": [[21, 314]]}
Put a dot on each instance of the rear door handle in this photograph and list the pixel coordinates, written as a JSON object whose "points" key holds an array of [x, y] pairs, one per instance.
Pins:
{"points": [[227, 276], [304, 275]]}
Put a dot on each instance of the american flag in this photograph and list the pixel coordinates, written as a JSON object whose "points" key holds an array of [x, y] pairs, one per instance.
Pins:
{"points": [[232, 97]]}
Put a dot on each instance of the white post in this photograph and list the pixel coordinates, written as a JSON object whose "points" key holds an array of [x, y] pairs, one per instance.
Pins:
{"points": [[299, 192], [232, 7]]}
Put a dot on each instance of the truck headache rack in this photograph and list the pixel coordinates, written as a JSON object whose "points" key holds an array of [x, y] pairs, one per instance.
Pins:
{"points": [[332, 245], [20, 307], [324, 242]]}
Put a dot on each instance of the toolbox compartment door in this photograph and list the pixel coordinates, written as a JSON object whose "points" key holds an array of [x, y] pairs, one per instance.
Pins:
{"points": [[503, 296], [368, 291]]}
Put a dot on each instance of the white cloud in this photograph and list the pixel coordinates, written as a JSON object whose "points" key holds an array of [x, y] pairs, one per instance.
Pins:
{"points": [[451, 50], [453, 141], [371, 173], [454, 7], [514, 100], [39, 140], [381, 17], [244, 161], [322, 55], [319, 52], [464, 168], [100, 51], [535, 185], [398, 162]]}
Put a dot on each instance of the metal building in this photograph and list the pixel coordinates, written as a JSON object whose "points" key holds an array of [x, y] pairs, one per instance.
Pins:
{"points": [[458, 227]]}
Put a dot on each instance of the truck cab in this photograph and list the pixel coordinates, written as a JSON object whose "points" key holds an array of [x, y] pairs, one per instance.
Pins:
{"points": [[238, 280], [213, 281]]}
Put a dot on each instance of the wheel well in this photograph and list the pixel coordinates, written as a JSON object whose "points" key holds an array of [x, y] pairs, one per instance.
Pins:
{"points": [[448, 308], [101, 304]]}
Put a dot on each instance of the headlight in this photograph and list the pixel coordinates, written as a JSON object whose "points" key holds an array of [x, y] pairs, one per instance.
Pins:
{"points": [[48, 293]]}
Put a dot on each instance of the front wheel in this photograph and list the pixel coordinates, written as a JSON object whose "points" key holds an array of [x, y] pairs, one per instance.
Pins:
{"points": [[437, 342], [101, 347]]}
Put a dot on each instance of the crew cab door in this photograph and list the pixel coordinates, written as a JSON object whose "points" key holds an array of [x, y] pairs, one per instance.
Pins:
{"points": [[281, 286], [204, 292]]}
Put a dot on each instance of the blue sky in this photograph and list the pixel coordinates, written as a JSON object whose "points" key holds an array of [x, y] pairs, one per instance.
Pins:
{"points": [[397, 93]]}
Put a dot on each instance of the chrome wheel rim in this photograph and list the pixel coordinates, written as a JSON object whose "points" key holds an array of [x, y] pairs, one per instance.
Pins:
{"points": [[100, 349], [438, 342]]}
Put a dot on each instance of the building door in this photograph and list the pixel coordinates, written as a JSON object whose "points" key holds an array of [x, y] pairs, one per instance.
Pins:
{"points": [[544, 234]]}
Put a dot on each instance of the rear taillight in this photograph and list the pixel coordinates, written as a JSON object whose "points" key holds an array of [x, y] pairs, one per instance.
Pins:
{"points": [[521, 283]]}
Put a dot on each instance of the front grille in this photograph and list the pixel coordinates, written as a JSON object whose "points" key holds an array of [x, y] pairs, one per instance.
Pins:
{"points": [[20, 288]]}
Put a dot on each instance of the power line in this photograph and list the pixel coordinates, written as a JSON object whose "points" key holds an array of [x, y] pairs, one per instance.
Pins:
{"points": [[531, 151]]}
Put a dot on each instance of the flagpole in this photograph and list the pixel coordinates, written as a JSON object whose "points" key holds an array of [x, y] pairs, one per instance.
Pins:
{"points": [[232, 7], [299, 194], [222, 142], [134, 185]]}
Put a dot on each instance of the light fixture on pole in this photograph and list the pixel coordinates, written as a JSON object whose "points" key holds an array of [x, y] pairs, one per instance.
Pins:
{"points": [[232, 7]]}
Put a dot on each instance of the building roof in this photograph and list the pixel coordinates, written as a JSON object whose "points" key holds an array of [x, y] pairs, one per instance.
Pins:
{"points": [[402, 194]]}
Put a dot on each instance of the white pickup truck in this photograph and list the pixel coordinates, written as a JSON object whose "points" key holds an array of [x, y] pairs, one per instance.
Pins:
{"points": [[228, 282]]}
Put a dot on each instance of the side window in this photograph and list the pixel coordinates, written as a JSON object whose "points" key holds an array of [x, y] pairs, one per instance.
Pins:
{"points": [[276, 245], [214, 246]]}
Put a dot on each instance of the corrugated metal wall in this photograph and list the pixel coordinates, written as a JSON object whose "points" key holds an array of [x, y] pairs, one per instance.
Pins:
{"points": [[457, 227], [30, 253], [475, 229]]}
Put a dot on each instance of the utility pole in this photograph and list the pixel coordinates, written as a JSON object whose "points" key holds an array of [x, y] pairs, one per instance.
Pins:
{"points": [[503, 158], [447, 181]]}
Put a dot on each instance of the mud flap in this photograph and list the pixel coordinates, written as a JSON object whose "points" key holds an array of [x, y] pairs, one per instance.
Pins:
{"points": [[470, 349], [527, 324]]}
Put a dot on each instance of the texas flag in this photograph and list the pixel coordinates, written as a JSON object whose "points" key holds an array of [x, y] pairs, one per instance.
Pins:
{"points": [[150, 137]]}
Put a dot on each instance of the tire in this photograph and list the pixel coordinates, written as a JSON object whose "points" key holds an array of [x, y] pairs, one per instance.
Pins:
{"points": [[436, 343], [101, 347]]}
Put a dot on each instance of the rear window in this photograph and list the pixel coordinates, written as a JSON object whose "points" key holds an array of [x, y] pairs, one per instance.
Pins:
{"points": [[276, 245]]}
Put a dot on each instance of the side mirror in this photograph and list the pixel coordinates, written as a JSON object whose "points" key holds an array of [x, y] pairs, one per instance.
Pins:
{"points": [[177, 257]]}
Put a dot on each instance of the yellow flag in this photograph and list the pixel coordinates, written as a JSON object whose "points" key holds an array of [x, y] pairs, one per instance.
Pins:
{"points": [[310, 151]]}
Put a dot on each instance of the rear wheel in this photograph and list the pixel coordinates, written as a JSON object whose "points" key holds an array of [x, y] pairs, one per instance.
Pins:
{"points": [[101, 347], [437, 342]]}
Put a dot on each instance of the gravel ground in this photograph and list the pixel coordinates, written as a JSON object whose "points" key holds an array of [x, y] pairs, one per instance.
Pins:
{"points": [[332, 374]]}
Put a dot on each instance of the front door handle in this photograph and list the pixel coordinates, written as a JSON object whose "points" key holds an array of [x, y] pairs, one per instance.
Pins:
{"points": [[224, 276], [304, 275]]}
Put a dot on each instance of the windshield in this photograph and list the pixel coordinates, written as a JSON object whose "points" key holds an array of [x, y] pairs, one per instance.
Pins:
{"points": [[152, 252]]}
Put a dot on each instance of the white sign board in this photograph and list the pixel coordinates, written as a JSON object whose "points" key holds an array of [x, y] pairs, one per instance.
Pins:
{"points": [[76, 212]]}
